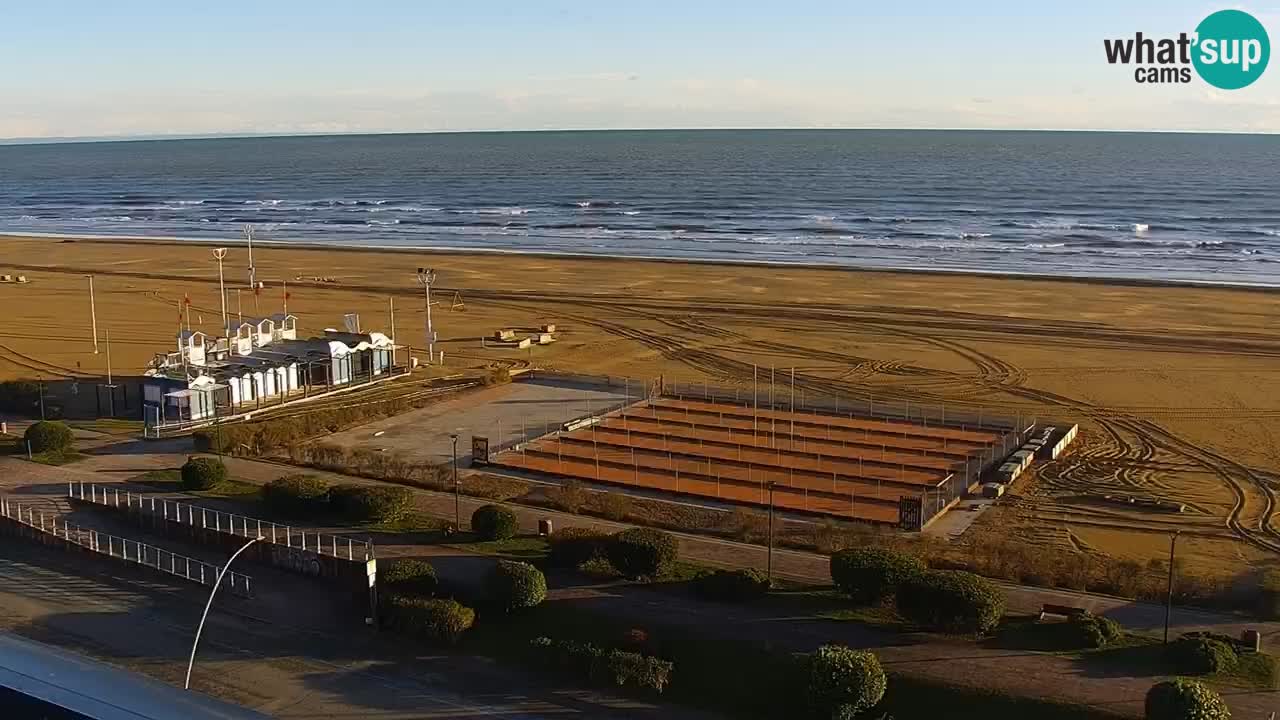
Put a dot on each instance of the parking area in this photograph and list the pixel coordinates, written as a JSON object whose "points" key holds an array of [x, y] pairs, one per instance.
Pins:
{"points": [[505, 414]]}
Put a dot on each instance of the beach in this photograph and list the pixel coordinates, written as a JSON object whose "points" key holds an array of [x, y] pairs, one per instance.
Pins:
{"points": [[1176, 387]]}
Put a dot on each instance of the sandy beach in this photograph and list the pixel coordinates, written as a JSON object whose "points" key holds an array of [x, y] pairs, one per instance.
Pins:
{"points": [[1176, 388]]}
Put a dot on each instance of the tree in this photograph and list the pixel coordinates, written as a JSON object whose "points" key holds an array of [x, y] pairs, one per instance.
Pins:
{"points": [[202, 473], [1184, 700], [843, 682], [515, 586], [48, 436]]}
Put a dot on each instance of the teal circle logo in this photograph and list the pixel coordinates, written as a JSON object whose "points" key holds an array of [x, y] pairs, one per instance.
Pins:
{"points": [[1232, 49]]}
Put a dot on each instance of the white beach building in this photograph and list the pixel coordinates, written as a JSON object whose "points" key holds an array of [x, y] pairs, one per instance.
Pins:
{"points": [[262, 363]]}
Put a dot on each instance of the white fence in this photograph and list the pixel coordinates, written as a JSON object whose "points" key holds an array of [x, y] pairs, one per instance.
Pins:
{"points": [[123, 548], [196, 516]]}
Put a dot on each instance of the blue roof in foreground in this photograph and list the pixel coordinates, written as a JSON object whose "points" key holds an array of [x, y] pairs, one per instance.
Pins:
{"points": [[99, 691]]}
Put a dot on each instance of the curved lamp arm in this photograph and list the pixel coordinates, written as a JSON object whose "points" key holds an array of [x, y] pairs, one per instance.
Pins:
{"points": [[200, 628]]}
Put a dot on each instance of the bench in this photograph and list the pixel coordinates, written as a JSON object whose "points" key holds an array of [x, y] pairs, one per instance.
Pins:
{"points": [[1067, 611]]}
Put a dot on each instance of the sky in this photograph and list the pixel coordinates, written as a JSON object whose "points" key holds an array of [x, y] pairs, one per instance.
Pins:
{"points": [[133, 68]]}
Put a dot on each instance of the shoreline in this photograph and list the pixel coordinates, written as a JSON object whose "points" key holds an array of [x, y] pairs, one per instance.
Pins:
{"points": [[1103, 280]]}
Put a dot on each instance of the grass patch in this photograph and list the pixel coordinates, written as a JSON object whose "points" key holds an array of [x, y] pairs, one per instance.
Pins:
{"points": [[1142, 656], [170, 480], [413, 522], [529, 548], [58, 457], [109, 426]]}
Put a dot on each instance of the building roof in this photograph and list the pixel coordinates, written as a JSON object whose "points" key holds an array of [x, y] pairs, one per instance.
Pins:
{"points": [[101, 692]]}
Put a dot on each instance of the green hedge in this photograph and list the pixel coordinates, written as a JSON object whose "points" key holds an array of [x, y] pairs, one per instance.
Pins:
{"points": [[642, 552], [951, 601], [1184, 700], [370, 503], [408, 577], [494, 522], [1269, 595], [513, 586], [438, 621], [297, 495], [202, 473], [598, 666], [572, 546], [732, 585], [20, 396], [1203, 655], [842, 683], [872, 575], [48, 436]]}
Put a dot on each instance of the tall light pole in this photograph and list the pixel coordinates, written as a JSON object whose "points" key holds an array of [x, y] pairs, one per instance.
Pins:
{"points": [[1168, 603], [219, 254], [457, 488], [426, 276], [253, 273], [93, 316], [200, 628]]}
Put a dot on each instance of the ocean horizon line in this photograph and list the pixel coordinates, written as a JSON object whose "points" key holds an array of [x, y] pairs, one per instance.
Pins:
{"points": [[171, 137]]}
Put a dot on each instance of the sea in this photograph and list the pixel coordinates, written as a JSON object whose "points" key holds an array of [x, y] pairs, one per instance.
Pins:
{"points": [[1178, 207]]}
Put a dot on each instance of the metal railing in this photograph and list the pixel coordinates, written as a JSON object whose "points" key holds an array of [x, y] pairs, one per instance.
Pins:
{"points": [[219, 521], [133, 551]]}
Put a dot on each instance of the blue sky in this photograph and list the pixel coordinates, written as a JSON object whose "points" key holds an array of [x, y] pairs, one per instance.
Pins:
{"points": [[278, 66]]}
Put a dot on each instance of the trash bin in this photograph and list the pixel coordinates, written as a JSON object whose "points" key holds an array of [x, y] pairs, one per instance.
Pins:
{"points": [[544, 527], [1252, 639]]}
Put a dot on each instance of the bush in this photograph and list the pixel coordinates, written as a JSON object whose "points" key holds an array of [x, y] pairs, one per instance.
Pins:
{"points": [[494, 522], [409, 577], [1092, 631], [617, 668], [515, 585], [951, 601], [642, 552], [202, 473], [439, 621], [871, 575], [48, 436], [843, 682], [732, 585], [572, 546], [20, 396], [368, 503], [301, 495], [1198, 655], [1184, 700]]}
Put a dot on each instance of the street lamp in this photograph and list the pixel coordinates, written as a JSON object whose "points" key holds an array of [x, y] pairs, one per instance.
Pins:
{"points": [[216, 584], [219, 254], [770, 486], [457, 487], [93, 315], [427, 276], [1168, 603]]}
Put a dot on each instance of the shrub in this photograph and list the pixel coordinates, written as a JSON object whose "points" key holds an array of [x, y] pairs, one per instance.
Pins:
{"points": [[572, 546], [19, 396], [872, 575], [367, 503], [202, 473], [1198, 655], [843, 682], [515, 585], [494, 522], [48, 436], [1184, 700], [1092, 631], [297, 495], [642, 552], [618, 668], [732, 585], [440, 621], [409, 577], [951, 601]]}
